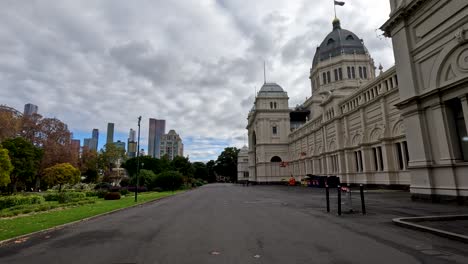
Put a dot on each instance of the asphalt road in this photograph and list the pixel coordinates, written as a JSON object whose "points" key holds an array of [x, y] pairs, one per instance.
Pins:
{"points": [[224, 223]]}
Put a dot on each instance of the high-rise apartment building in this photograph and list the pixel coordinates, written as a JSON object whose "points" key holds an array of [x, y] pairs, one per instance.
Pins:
{"points": [[95, 139], [132, 144], [110, 133], [171, 145], [87, 143], [30, 109], [157, 128], [120, 144]]}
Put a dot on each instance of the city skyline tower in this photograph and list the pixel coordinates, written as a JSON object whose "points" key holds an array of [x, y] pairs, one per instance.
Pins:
{"points": [[30, 109], [110, 133], [157, 128]]}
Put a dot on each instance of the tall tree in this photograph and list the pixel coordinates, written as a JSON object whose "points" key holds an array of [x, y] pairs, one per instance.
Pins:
{"points": [[61, 174], [10, 125], [226, 164], [182, 165], [200, 171], [31, 129], [210, 166], [25, 158], [88, 164], [55, 140], [146, 163], [5, 167]]}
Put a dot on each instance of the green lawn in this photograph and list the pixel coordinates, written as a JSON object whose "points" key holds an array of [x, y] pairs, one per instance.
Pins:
{"points": [[30, 223]]}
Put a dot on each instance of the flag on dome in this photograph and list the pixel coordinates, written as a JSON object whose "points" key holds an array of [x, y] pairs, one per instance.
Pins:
{"points": [[340, 3]]}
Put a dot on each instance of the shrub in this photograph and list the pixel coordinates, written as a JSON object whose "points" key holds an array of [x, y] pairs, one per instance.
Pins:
{"points": [[102, 185], [114, 189], [125, 182], [65, 197], [101, 194], [124, 191], [112, 196], [140, 189], [170, 180], [91, 194], [14, 200]]}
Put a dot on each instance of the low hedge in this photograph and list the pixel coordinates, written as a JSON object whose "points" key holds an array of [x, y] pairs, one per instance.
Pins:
{"points": [[112, 196], [65, 197], [14, 200]]}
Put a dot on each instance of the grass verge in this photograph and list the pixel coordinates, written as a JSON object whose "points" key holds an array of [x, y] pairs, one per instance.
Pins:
{"points": [[22, 225]]}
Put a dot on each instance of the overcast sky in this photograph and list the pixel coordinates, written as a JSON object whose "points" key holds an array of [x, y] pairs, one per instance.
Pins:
{"points": [[195, 64]]}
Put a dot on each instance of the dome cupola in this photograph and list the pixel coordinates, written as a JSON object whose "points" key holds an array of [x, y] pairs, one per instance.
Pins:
{"points": [[339, 41]]}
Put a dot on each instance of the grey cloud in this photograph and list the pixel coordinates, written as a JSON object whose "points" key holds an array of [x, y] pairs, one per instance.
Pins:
{"points": [[193, 63]]}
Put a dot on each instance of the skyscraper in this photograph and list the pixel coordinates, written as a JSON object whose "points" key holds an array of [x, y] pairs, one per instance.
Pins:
{"points": [[110, 133], [157, 128], [30, 109], [94, 140], [132, 145], [87, 143]]}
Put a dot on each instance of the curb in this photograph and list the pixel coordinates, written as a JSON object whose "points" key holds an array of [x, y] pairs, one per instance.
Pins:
{"points": [[409, 222], [54, 228]]}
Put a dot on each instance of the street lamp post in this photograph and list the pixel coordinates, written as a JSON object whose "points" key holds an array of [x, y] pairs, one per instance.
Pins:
{"points": [[138, 160]]}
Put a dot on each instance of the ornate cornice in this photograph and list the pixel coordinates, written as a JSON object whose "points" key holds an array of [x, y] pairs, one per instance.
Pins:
{"points": [[400, 14]]}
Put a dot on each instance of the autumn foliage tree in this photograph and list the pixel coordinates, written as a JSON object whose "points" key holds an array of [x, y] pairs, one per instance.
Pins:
{"points": [[55, 139], [88, 164], [10, 125], [5, 167], [61, 174]]}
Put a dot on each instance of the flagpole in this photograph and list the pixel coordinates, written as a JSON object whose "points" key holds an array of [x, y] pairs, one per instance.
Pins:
{"points": [[334, 7]]}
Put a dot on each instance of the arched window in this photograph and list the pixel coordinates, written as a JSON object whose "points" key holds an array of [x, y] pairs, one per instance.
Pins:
{"points": [[324, 75], [349, 37], [271, 105], [330, 41], [275, 159], [353, 73], [364, 71], [328, 77], [274, 104], [360, 72]]}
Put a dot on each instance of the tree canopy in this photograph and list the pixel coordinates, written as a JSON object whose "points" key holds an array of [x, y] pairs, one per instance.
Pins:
{"points": [[60, 174], [25, 158], [226, 164], [5, 167]]}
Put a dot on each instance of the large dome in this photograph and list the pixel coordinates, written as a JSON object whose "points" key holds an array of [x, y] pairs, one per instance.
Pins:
{"points": [[339, 41], [271, 87]]}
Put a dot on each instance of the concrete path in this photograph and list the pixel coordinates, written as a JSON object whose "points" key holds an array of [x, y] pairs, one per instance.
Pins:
{"points": [[224, 223]]}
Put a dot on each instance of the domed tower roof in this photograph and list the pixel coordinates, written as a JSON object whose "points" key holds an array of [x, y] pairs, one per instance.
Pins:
{"points": [[271, 90], [271, 87], [339, 41], [244, 151]]}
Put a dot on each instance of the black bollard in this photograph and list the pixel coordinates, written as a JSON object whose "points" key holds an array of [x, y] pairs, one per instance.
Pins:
{"points": [[339, 199], [327, 192], [363, 204]]}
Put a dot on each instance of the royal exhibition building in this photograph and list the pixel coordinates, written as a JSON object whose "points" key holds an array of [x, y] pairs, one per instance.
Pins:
{"points": [[405, 127]]}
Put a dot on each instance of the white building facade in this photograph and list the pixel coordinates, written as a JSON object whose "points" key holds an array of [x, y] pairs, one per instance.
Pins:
{"points": [[356, 123], [171, 145], [243, 165], [430, 40]]}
